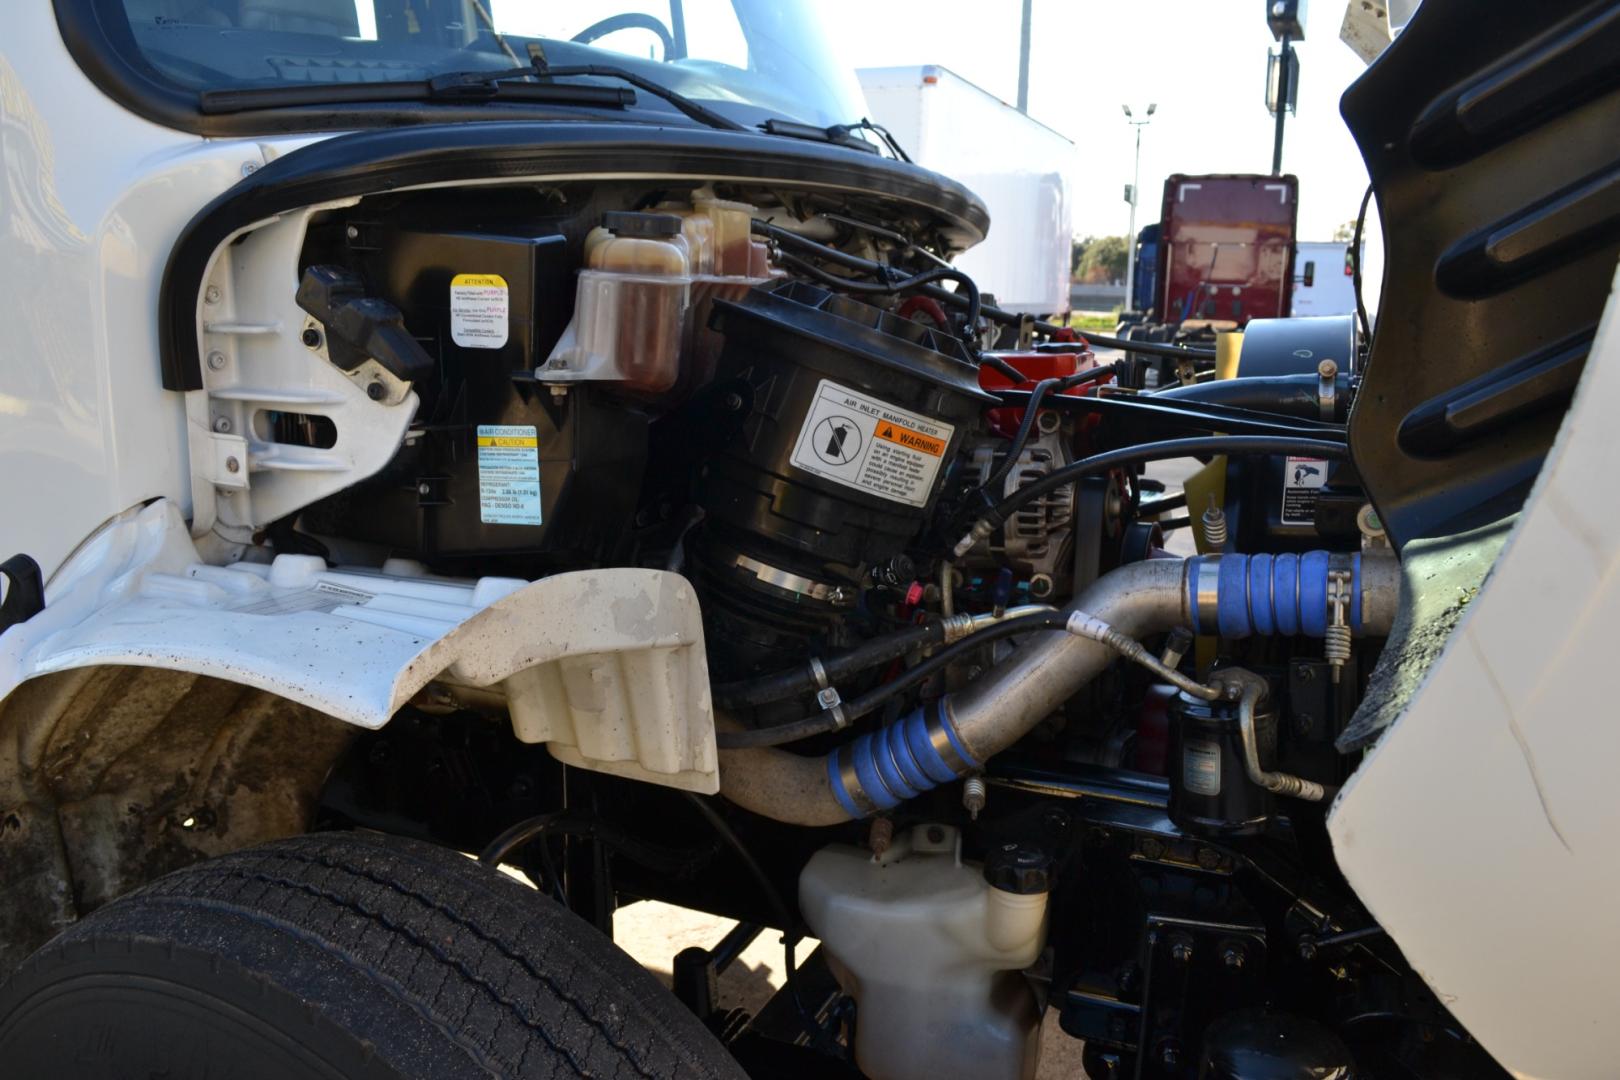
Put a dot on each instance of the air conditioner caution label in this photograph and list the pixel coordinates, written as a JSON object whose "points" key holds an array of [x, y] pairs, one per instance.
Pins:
{"points": [[1303, 479], [508, 474], [479, 311], [870, 445]]}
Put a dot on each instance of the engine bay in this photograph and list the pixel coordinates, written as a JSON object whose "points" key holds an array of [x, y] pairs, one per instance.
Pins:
{"points": [[1018, 725]]}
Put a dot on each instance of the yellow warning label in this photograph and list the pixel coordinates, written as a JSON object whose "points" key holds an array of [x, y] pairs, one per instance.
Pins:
{"points": [[488, 281], [916, 440], [508, 440]]}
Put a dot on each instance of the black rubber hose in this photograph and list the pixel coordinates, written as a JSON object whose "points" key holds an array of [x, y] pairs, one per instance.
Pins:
{"points": [[1290, 395], [1147, 348], [1144, 452], [890, 286], [749, 693], [788, 238], [872, 700], [1355, 266], [1027, 425], [1155, 507]]}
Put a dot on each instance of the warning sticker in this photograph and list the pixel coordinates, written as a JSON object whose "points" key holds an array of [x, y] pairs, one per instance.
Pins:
{"points": [[478, 311], [867, 444], [324, 597], [508, 474], [1303, 478], [1201, 766]]}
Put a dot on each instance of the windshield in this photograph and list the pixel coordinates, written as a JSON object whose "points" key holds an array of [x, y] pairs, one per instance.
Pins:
{"points": [[748, 59]]}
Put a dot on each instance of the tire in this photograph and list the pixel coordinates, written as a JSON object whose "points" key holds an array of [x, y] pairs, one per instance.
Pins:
{"points": [[343, 955]]}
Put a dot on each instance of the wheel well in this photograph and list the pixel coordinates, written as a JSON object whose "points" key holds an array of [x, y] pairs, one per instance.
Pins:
{"points": [[113, 776]]}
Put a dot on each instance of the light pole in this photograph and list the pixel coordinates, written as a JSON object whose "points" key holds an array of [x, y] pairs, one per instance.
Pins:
{"points": [[1130, 197]]}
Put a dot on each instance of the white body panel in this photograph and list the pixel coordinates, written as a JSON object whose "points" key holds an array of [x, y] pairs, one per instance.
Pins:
{"points": [[1018, 166], [1480, 831], [604, 666], [92, 200], [1331, 290]]}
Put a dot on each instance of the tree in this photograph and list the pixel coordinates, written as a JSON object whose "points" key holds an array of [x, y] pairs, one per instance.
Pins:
{"points": [[1345, 233], [1104, 260], [1077, 253]]}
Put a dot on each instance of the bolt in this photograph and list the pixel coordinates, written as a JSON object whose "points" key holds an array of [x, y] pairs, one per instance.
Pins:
{"points": [[733, 401], [376, 391], [1181, 952], [222, 424], [232, 465], [1305, 673], [936, 835], [1303, 722], [1307, 949], [249, 168], [311, 337], [880, 836], [1327, 369], [211, 294], [1041, 586], [424, 488], [352, 233], [216, 361], [1233, 957], [1170, 1056], [1207, 857], [1152, 847], [1127, 979]]}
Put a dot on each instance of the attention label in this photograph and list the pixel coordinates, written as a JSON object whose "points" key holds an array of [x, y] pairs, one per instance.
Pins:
{"points": [[479, 311], [1201, 766], [1303, 479], [508, 475], [870, 445]]}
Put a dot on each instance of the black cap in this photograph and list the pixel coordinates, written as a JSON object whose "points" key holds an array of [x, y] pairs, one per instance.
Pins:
{"points": [[1017, 868], [625, 223]]}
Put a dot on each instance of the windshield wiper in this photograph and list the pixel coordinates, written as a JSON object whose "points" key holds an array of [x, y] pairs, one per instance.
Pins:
{"points": [[460, 86]]}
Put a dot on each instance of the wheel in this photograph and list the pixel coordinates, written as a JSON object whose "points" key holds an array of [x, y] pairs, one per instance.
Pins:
{"points": [[343, 955]]}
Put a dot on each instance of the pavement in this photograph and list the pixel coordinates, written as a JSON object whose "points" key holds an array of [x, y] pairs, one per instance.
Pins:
{"points": [[654, 932]]}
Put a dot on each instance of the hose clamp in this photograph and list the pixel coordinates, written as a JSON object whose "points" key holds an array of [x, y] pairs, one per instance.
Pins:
{"points": [[827, 695]]}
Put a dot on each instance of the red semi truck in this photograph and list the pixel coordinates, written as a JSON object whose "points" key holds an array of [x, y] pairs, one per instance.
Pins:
{"points": [[1226, 249], [1221, 254]]}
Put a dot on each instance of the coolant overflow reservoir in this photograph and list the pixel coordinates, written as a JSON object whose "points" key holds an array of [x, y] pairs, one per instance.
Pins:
{"points": [[933, 954]]}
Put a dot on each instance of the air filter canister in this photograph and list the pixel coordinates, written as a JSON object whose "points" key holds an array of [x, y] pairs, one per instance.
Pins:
{"points": [[851, 417]]}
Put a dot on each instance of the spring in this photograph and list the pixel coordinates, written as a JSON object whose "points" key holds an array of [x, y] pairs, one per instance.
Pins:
{"points": [[974, 795], [1214, 521], [1336, 647]]}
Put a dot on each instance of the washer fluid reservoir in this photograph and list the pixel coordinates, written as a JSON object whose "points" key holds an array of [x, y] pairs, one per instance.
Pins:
{"points": [[933, 954]]}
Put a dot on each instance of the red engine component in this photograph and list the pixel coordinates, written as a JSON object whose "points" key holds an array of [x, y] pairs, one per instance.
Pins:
{"points": [[1035, 366]]}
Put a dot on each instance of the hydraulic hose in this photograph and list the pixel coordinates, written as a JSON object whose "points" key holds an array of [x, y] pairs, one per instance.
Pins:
{"points": [[1291, 395], [819, 673], [1147, 348], [951, 737], [789, 239], [1015, 449], [997, 515], [872, 700]]}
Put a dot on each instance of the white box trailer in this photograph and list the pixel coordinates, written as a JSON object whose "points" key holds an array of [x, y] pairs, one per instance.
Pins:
{"points": [[1322, 281], [1021, 168]]}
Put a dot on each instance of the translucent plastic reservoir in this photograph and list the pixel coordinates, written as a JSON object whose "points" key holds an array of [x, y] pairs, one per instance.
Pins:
{"points": [[933, 956]]}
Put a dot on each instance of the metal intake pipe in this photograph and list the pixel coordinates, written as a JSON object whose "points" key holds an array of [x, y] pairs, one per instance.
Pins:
{"points": [[1234, 595]]}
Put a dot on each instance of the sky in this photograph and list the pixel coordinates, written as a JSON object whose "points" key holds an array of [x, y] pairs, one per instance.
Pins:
{"points": [[1202, 61]]}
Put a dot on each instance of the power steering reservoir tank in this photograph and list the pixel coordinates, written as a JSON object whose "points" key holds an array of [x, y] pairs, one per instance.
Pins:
{"points": [[836, 423], [933, 949]]}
